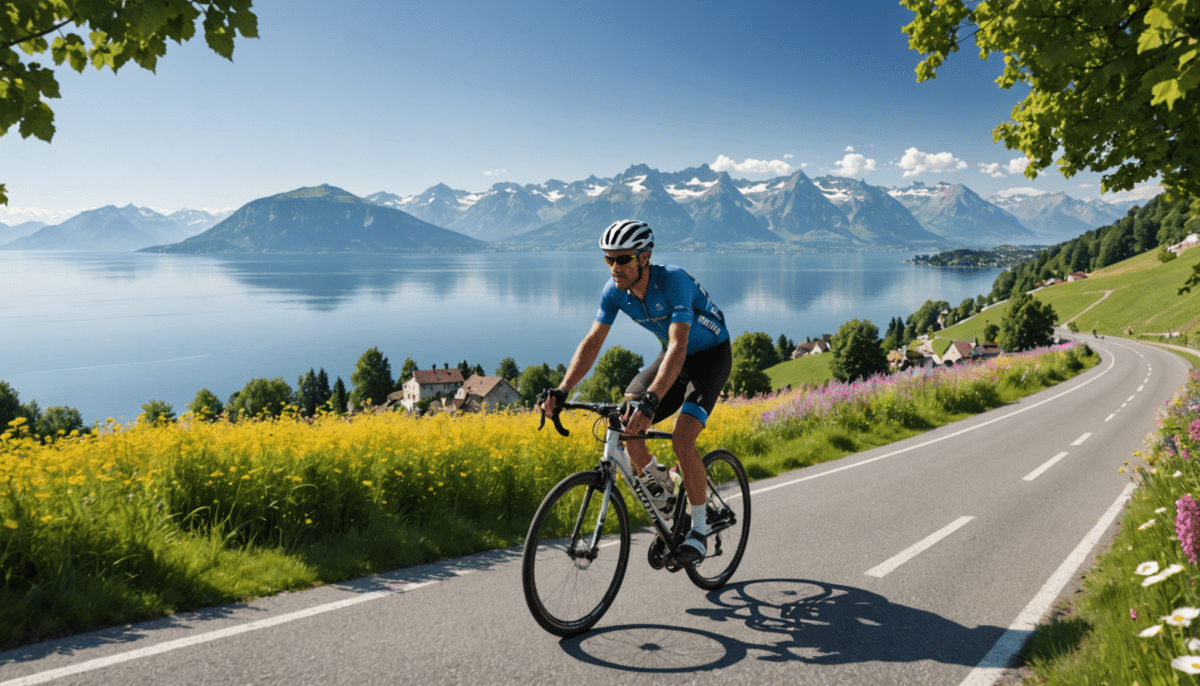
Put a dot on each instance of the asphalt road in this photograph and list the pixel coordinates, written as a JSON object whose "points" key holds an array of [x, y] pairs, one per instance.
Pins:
{"points": [[923, 562]]}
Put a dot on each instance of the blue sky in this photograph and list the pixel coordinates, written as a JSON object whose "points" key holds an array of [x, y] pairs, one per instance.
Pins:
{"points": [[399, 96]]}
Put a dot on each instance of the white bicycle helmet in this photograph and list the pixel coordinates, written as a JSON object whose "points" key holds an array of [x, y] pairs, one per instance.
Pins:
{"points": [[627, 234]]}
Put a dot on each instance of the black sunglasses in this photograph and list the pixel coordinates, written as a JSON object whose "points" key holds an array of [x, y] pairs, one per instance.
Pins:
{"points": [[620, 259]]}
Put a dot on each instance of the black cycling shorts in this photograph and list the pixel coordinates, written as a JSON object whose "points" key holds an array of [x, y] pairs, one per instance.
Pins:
{"points": [[700, 381]]}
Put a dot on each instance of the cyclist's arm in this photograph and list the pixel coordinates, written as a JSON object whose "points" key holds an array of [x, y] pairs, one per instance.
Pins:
{"points": [[585, 355]]}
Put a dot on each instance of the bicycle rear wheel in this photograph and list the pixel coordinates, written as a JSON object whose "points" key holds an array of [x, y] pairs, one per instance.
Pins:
{"points": [[728, 508], [570, 575]]}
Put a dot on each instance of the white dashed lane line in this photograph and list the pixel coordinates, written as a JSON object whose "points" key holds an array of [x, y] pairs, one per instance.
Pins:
{"points": [[881, 570], [1049, 463]]}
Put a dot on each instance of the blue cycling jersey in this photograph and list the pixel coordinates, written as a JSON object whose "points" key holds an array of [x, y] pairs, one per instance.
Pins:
{"points": [[673, 296]]}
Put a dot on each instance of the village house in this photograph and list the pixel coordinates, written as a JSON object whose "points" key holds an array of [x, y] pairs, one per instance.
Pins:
{"points": [[958, 350], [485, 394], [1076, 276], [821, 345], [439, 384]]}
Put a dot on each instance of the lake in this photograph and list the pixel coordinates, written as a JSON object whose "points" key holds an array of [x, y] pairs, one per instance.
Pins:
{"points": [[107, 332]]}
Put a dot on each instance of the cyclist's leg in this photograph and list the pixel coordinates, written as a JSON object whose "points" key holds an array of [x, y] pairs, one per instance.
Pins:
{"points": [[706, 372], [639, 454]]}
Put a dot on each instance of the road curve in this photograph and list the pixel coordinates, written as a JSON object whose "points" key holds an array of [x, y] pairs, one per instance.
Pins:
{"points": [[925, 561]]}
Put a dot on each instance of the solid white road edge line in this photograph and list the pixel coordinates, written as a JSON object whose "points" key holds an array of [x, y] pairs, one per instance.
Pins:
{"points": [[993, 665], [1049, 463], [881, 570], [102, 662], [1112, 363]]}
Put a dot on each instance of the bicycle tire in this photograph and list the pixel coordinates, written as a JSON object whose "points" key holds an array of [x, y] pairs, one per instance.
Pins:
{"points": [[728, 494], [567, 587]]}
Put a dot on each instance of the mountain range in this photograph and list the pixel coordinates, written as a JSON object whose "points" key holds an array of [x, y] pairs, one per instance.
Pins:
{"points": [[696, 208], [320, 219], [829, 212], [112, 228]]}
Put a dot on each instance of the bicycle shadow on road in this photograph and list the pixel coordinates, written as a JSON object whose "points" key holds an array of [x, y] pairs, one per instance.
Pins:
{"points": [[791, 620]]}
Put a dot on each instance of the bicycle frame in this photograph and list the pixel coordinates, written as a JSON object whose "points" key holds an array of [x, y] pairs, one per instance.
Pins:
{"points": [[616, 460]]}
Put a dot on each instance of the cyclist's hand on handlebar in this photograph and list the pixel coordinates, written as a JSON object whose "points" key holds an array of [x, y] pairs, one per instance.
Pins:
{"points": [[551, 397], [639, 413]]}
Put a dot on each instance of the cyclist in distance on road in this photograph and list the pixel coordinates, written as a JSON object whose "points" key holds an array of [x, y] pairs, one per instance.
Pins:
{"points": [[688, 374]]}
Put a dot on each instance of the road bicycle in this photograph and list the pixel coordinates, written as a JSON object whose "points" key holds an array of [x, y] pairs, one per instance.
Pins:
{"points": [[578, 544]]}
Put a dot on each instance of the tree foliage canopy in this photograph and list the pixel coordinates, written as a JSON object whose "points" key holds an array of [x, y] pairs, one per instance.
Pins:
{"points": [[1109, 81], [856, 350], [372, 379], [613, 372], [260, 396], [115, 33], [1029, 323]]}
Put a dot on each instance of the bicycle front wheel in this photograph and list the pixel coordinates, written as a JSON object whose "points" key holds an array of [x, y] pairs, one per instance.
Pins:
{"points": [[728, 508], [574, 561]]}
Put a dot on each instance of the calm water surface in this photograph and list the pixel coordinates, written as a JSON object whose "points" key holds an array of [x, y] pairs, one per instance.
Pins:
{"points": [[107, 332]]}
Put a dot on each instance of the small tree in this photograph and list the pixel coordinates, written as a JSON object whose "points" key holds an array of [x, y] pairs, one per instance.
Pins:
{"points": [[206, 405], [372, 379], [746, 379], [338, 399], [260, 396], [757, 347], [613, 372], [10, 405], [784, 347], [59, 419], [856, 351], [155, 410], [307, 396], [535, 379], [323, 390], [991, 331], [406, 372], [509, 371], [1029, 323]]}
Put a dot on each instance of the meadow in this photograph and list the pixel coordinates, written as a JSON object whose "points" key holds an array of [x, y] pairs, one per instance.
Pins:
{"points": [[140, 520]]}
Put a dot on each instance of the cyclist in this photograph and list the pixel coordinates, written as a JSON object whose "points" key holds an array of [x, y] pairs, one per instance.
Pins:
{"points": [[688, 374]]}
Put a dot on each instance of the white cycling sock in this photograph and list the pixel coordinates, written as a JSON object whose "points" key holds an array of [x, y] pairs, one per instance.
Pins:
{"points": [[700, 520]]}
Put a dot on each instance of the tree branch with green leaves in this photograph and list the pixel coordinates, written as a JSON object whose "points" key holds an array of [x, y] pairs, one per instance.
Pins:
{"points": [[1112, 84], [117, 32]]}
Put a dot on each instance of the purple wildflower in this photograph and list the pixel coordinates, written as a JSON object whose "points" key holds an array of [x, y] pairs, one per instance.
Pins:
{"points": [[1187, 526], [1194, 430], [1132, 614]]}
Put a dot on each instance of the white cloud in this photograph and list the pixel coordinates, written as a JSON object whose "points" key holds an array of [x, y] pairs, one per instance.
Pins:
{"points": [[849, 148], [992, 170], [788, 156], [854, 164], [752, 166], [495, 172], [916, 162], [1017, 165]]}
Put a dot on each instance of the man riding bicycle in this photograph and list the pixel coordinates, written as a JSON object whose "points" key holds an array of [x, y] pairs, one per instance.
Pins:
{"points": [[687, 375]]}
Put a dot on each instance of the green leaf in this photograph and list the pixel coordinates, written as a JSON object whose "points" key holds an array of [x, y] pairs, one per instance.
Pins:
{"points": [[38, 121], [3, 195], [1167, 91]]}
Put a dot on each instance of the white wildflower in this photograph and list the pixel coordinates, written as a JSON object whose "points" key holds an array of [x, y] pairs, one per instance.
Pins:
{"points": [[1187, 663]]}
